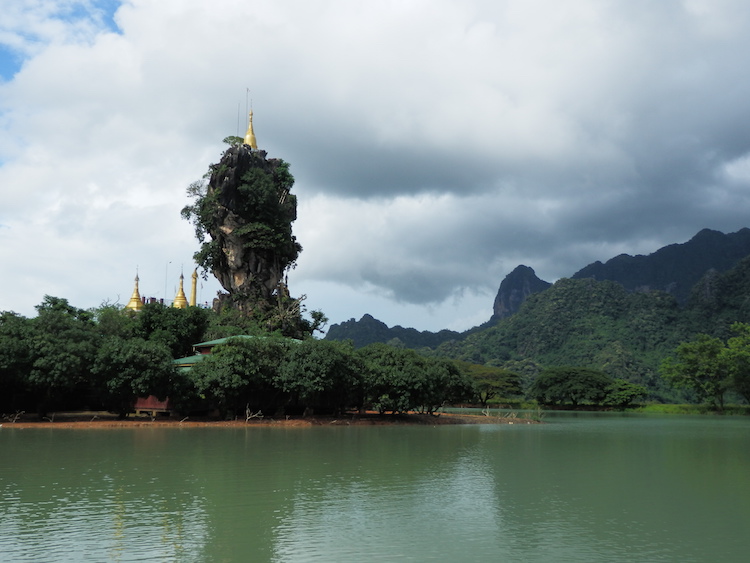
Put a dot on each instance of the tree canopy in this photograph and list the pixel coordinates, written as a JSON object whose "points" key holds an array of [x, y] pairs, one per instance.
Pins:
{"points": [[710, 367], [574, 385]]}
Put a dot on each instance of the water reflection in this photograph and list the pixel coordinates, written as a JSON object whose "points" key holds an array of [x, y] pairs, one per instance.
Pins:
{"points": [[93, 495], [579, 489], [429, 502]]}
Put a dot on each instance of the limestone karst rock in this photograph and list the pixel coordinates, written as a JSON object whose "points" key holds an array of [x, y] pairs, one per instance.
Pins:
{"points": [[247, 210], [514, 290]]}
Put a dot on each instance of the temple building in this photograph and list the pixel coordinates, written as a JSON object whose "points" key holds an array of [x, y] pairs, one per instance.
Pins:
{"points": [[180, 301]]}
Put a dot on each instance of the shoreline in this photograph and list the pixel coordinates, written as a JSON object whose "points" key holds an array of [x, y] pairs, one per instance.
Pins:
{"points": [[83, 421]]}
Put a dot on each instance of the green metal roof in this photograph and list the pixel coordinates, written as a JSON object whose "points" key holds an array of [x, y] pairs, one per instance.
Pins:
{"points": [[220, 340], [189, 360]]}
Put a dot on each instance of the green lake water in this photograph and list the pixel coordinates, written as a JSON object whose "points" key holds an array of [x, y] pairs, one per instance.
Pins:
{"points": [[599, 488]]}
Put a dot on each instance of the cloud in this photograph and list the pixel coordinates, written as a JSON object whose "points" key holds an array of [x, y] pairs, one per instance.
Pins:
{"points": [[436, 145]]}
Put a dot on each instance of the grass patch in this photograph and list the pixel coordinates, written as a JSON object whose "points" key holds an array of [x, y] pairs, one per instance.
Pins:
{"points": [[692, 409]]}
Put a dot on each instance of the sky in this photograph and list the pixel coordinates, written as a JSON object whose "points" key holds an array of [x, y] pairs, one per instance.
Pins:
{"points": [[436, 145]]}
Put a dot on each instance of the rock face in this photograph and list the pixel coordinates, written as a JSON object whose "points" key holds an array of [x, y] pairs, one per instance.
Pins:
{"points": [[514, 290], [248, 211]]}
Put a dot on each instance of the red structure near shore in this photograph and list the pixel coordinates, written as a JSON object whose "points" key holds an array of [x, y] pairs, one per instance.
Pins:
{"points": [[151, 405]]}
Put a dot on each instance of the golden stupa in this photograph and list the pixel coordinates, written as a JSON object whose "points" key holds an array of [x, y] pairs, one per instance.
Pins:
{"points": [[135, 303], [180, 301], [250, 135]]}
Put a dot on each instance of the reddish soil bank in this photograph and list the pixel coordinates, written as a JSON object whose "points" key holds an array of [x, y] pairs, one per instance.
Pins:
{"points": [[106, 420]]}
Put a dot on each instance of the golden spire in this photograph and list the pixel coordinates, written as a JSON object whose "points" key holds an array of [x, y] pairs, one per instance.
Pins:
{"points": [[250, 135], [180, 301], [135, 303], [194, 287]]}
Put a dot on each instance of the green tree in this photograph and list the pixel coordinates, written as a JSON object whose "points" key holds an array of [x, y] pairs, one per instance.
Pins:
{"points": [[492, 382], [574, 385], [737, 358], [241, 372], [322, 374], [392, 377], [178, 329], [622, 393], [62, 344], [700, 365], [399, 380], [442, 382], [112, 320], [15, 359], [125, 369]]}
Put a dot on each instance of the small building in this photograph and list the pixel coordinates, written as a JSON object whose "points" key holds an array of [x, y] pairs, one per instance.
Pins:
{"points": [[152, 405]]}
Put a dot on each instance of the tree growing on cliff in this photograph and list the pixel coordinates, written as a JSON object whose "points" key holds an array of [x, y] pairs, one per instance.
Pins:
{"points": [[243, 217]]}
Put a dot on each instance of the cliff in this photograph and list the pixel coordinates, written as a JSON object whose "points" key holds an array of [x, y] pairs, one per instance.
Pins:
{"points": [[514, 290]]}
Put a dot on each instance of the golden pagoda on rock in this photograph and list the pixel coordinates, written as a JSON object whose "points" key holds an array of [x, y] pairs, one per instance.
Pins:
{"points": [[250, 135]]}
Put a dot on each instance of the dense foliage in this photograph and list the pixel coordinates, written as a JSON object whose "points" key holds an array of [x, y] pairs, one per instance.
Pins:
{"points": [[576, 386], [491, 382], [67, 358], [710, 367], [262, 208]]}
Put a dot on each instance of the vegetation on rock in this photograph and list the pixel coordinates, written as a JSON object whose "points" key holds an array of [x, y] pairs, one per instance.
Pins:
{"points": [[243, 212]]}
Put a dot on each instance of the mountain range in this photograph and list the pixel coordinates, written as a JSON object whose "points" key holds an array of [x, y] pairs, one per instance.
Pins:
{"points": [[623, 316]]}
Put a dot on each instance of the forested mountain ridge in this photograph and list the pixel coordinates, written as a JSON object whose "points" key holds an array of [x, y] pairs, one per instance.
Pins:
{"points": [[601, 325], [368, 330], [675, 268], [598, 324]]}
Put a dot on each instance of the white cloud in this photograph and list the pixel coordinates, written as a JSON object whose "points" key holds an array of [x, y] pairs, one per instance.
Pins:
{"points": [[436, 145]]}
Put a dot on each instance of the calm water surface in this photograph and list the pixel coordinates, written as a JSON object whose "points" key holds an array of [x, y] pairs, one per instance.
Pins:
{"points": [[578, 488]]}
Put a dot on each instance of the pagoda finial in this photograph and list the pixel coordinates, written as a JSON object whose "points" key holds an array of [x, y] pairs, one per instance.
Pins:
{"points": [[180, 301], [135, 303], [250, 135], [194, 288]]}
